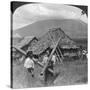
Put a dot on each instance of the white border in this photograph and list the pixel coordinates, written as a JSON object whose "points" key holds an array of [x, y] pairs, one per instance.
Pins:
{"points": [[5, 43]]}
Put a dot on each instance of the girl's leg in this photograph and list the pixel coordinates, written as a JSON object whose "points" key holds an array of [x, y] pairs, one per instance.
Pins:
{"points": [[46, 76], [32, 72], [29, 70]]}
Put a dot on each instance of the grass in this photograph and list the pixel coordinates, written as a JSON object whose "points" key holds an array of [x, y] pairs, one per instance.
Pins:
{"points": [[68, 73]]}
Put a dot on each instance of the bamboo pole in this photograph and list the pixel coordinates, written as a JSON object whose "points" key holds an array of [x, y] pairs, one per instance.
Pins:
{"points": [[60, 52], [56, 48], [58, 55], [60, 59], [50, 56]]}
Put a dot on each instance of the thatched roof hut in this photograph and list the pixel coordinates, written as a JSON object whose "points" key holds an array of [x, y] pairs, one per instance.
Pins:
{"points": [[27, 42], [52, 36]]}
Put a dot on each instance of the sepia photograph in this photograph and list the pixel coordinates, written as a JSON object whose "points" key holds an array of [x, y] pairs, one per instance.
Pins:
{"points": [[49, 44]]}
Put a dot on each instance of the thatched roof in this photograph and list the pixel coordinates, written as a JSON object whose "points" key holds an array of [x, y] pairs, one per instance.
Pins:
{"points": [[68, 46], [46, 40], [25, 41]]}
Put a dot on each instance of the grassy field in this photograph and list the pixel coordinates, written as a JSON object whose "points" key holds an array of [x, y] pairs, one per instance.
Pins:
{"points": [[68, 73]]}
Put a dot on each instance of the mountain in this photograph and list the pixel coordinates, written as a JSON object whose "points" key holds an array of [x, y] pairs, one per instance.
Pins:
{"points": [[16, 38], [73, 28], [16, 35]]}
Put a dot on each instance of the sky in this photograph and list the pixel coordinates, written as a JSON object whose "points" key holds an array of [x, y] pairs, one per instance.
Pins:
{"points": [[31, 13]]}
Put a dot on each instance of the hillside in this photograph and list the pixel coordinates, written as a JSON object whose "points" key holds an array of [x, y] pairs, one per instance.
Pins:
{"points": [[73, 28]]}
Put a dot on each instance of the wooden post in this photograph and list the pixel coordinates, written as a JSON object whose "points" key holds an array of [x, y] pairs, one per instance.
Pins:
{"points": [[58, 55], [51, 56], [20, 50], [60, 59], [60, 52], [56, 48]]}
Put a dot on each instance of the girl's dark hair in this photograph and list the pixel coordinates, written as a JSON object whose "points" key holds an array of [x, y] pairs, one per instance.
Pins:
{"points": [[29, 54]]}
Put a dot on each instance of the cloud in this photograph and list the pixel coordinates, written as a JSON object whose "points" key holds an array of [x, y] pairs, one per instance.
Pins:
{"points": [[30, 13]]}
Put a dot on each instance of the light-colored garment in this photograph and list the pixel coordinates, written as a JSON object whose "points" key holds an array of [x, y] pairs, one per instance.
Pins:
{"points": [[53, 59], [29, 63], [84, 52], [45, 59], [87, 55]]}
